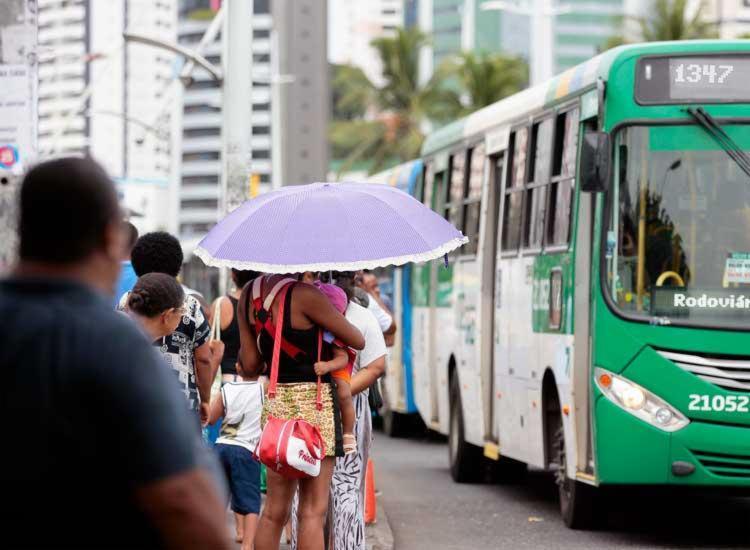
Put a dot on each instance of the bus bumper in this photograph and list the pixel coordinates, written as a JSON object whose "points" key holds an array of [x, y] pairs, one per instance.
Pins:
{"points": [[629, 451]]}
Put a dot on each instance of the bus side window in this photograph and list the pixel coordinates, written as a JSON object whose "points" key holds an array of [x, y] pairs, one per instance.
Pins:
{"points": [[454, 192], [563, 179], [511, 230], [472, 202], [430, 179], [537, 183], [422, 181]]}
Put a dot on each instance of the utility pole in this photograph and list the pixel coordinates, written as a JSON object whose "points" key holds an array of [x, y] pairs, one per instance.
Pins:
{"points": [[236, 128], [18, 116]]}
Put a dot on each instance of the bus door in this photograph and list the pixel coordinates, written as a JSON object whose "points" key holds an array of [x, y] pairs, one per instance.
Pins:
{"points": [[496, 144]]}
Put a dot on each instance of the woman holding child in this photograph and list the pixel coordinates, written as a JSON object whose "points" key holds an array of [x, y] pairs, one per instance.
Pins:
{"points": [[306, 311]]}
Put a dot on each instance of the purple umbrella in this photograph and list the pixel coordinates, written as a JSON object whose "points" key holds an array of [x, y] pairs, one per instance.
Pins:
{"points": [[328, 226]]}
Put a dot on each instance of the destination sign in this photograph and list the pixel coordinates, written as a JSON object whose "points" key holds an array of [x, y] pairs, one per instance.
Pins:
{"points": [[700, 79]]}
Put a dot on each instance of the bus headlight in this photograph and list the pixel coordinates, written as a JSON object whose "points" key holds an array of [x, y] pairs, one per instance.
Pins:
{"points": [[639, 402]]}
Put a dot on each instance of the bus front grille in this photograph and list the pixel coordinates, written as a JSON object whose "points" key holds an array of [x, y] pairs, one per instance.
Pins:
{"points": [[725, 465], [730, 373]]}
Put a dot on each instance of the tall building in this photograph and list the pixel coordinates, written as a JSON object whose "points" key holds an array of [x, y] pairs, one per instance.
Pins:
{"points": [[198, 192], [354, 24], [462, 25], [102, 97]]}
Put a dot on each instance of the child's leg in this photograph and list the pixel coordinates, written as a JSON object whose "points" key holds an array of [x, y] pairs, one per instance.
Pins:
{"points": [[239, 526], [346, 404], [250, 526]]}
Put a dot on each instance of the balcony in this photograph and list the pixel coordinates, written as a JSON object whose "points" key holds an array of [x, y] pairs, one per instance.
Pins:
{"points": [[201, 168], [201, 144]]}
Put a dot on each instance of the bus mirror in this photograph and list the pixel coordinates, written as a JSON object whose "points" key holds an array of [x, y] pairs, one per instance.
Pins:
{"points": [[595, 162]]}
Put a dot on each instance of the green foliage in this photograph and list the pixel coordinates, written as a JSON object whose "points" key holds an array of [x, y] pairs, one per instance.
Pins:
{"points": [[483, 78], [400, 108], [352, 92], [671, 20]]}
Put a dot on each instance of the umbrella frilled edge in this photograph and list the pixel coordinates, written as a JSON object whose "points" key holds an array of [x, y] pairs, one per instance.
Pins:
{"points": [[210, 260]]}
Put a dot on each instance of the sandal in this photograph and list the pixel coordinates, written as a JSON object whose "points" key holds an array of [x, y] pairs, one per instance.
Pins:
{"points": [[351, 447]]}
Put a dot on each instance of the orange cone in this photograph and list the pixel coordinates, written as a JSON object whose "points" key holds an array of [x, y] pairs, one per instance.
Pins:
{"points": [[370, 505]]}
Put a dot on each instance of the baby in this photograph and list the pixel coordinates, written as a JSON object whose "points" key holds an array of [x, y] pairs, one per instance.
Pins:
{"points": [[340, 367]]}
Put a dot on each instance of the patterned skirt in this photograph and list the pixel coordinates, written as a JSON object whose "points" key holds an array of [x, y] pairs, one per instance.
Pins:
{"points": [[298, 401], [346, 507]]}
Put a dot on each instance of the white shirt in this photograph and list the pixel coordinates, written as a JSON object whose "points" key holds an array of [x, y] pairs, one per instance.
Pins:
{"points": [[384, 320], [243, 402], [368, 325]]}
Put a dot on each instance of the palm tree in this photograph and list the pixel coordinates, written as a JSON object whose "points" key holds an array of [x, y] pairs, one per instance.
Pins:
{"points": [[403, 106], [482, 78], [671, 20]]}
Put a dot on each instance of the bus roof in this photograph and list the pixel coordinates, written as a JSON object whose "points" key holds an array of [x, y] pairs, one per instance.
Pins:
{"points": [[402, 176], [557, 89]]}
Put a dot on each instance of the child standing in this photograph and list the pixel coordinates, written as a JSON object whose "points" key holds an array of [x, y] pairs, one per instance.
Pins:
{"points": [[240, 404], [340, 367]]}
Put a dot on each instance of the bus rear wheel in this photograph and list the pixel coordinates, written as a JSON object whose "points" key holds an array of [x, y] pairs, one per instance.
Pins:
{"points": [[465, 458], [577, 500]]}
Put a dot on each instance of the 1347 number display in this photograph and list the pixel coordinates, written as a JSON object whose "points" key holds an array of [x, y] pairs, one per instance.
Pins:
{"points": [[682, 79]]}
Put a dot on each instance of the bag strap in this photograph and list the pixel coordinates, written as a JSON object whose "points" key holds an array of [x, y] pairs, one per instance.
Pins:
{"points": [[268, 302], [319, 396], [216, 325], [277, 344], [277, 350]]}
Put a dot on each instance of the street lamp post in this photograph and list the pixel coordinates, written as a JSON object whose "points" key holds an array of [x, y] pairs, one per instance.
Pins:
{"points": [[541, 13]]}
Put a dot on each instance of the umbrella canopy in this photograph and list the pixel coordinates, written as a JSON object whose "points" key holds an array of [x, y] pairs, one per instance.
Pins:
{"points": [[328, 226]]}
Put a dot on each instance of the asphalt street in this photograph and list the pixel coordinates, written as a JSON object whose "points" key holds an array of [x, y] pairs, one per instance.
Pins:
{"points": [[428, 511]]}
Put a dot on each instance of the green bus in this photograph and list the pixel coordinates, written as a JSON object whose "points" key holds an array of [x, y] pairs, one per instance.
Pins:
{"points": [[597, 322]]}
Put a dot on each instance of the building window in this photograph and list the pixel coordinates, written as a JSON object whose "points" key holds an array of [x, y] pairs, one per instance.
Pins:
{"points": [[261, 107], [188, 181], [261, 33], [261, 6], [262, 154], [201, 108], [261, 130], [198, 203], [192, 157], [261, 58], [201, 132]]}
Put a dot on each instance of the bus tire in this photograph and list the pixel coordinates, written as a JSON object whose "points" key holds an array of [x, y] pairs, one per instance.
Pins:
{"points": [[465, 458], [393, 423], [577, 500]]}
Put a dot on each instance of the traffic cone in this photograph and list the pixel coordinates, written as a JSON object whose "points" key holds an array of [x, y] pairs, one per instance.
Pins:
{"points": [[370, 504]]}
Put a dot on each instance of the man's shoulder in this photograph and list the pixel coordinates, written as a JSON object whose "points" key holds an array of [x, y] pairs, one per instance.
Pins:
{"points": [[359, 316]]}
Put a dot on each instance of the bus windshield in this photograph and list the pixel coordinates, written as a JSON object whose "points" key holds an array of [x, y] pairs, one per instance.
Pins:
{"points": [[677, 248]]}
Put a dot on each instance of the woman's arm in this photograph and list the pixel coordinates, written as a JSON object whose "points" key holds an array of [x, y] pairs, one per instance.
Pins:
{"points": [[317, 308], [368, 375], [217, 409], [250, 358]]}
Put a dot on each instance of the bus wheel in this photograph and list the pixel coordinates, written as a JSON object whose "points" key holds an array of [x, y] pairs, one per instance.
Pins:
{"points": [[465, 459], [393, 423], [577, 500]]}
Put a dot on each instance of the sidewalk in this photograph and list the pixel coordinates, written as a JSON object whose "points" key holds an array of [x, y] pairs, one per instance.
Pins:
{"points": [[379, 535]]}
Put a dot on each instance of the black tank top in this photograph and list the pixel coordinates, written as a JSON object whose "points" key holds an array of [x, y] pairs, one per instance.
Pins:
{"points": [[231, 338], [293, 369]]}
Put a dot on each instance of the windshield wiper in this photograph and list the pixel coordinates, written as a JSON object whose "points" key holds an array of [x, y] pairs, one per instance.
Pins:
{"points": [[713, 129]]}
